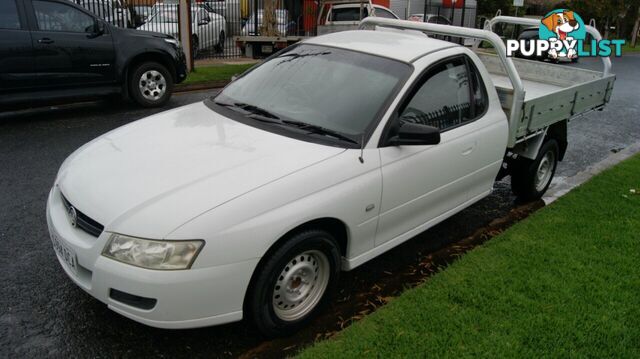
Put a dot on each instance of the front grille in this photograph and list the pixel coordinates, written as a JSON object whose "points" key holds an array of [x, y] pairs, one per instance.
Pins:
{"points": [[83, 221]]}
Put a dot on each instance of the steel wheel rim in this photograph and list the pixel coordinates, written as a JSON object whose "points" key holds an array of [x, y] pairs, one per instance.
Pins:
{"points": [[301, 285], [152, 85], [545, 171]]}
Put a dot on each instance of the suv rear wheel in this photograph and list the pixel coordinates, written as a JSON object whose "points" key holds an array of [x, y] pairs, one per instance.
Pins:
{"points": [[150, 84]]}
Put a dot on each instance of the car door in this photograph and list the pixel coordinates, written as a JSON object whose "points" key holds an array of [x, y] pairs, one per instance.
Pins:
{"points": [[16, 51], [68, 51], [424, 184]]}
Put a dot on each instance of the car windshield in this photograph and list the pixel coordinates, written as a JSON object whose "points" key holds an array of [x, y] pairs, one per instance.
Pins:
{"points": [[336, 89]]}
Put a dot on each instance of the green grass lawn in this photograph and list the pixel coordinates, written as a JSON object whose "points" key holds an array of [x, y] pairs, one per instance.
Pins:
{"points": [[563, 283], [626, 49], [215, 73]]}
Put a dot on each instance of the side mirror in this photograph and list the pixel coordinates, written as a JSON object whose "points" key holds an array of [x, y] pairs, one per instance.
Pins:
{"points": [[98, 29], [413, 134], [203, 22]]}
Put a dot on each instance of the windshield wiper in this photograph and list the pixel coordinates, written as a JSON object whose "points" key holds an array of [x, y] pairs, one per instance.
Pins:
{"points": [[256, 110], [249, 109], [320, 130], [263, 115]]}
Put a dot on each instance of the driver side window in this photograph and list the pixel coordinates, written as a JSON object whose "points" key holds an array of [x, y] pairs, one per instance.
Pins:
{"points": [[53, 16], [443, 98]]}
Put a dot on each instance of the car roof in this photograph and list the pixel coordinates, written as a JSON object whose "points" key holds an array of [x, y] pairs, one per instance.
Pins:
{"points": [[395, 44]]}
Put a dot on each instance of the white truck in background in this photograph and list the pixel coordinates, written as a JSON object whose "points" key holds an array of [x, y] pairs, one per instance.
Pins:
{"points": [[342, 15]]}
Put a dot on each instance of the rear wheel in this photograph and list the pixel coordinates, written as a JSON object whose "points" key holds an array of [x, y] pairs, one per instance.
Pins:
{"points": [[195, 46], [150, 84], [220, 45], [294, 283], [531, 179]]}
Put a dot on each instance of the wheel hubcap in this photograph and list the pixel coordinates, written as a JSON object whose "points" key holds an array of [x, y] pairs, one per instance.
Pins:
{"points": [[152, 85], [300, 285], [545, 171]]}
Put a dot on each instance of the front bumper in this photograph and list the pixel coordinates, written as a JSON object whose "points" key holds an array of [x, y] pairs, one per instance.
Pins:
{"points": [[181, 67], [191, 298]]}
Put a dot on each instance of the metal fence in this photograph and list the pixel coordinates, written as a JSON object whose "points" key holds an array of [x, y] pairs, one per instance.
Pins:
{"points": [[214, 23]]}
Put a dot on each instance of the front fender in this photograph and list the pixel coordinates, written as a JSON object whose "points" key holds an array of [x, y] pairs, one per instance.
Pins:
{"points": [[246, 227]]}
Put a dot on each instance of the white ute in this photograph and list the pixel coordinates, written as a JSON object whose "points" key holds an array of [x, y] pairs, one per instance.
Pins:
{"points": [[325, 156]]}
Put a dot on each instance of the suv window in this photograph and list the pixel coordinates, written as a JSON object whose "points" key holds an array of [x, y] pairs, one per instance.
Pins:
{"points": [[384, 13], [9, 18], [54, 16], [348, 13], [444, 98]]}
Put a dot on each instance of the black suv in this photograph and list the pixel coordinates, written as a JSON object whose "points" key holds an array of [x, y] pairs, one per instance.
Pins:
{"points": [[55, 49]]}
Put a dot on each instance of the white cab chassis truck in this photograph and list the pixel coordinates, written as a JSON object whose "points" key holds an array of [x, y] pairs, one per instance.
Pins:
{"points": [[539, 100], [326, 155]]}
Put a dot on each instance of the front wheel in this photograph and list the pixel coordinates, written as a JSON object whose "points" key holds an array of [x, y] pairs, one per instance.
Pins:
{"points": [[294, 283], [531, 179], [150, 84]]}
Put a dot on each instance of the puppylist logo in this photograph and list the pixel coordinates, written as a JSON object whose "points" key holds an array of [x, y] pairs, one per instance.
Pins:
{"points": [[562, 35]]}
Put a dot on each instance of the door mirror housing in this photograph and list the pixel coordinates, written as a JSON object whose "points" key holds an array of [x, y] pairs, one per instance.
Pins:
{"points": [[414, 134], [203, 22], [99, 27]]}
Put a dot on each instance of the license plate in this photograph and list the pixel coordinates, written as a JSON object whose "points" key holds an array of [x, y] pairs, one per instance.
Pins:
{"points": [[267, 49], [66, 253]]}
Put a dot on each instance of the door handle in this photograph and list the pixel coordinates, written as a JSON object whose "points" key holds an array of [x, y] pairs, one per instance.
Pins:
{"points": [[46, 40], [469, 149]]}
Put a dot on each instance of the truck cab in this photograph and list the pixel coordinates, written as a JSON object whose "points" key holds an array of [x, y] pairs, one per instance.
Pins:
{"points": [[347, 15]]}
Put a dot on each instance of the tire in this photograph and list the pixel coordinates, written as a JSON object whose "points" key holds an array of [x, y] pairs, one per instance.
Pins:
{"points": [[195, 46], [531, 179], [219, 48], [293, 283], [150, 94]]}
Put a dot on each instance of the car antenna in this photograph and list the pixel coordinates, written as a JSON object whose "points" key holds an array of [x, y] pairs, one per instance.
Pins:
{"points": [[361, 158]]}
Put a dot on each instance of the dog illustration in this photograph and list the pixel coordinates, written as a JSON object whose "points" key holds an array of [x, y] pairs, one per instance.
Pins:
{"points": [[561, 24]]}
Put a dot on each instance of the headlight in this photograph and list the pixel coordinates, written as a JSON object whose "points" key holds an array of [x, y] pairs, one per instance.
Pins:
{"points": [[151, 254], [173, 42]]}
